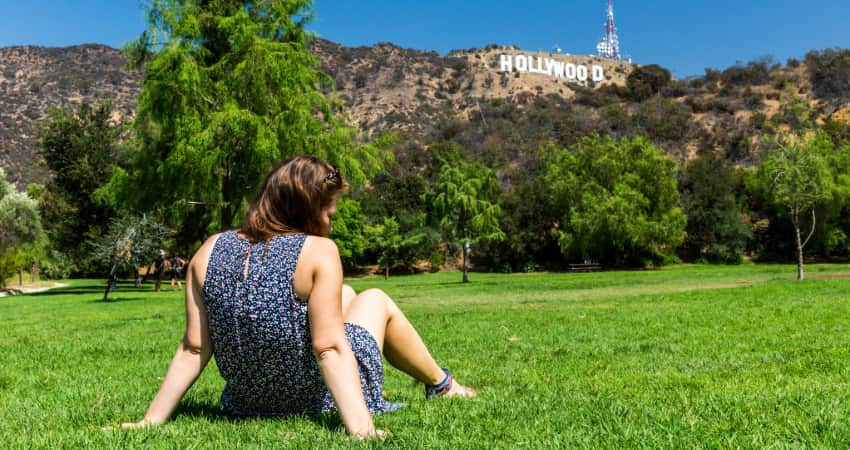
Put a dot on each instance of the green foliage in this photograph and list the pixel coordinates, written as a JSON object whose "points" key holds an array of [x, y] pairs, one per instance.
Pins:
{"points": [[81, 148], [232, 90], [796, 172], [797, 175], [130, 242], [527, 219], [715, 230], [401, 197], [618, 200], [20, 228], [463, 200], [645, 81], [348, 230], [386, 240]]}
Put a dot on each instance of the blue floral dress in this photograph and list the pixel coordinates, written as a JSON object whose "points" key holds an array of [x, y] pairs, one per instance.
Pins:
{"points": [[260, 336]]}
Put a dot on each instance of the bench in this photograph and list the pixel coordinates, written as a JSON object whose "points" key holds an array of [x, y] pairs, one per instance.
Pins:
{"points": [[585, 267]]}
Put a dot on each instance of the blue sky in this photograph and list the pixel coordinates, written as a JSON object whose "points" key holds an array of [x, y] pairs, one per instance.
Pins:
{"points": [[684, 36]]}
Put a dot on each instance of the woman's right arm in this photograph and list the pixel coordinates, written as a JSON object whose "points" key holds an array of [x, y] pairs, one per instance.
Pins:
{"points": [[194, 351], [336, 360]]}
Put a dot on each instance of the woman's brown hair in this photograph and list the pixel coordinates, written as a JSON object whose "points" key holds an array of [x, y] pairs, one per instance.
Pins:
{"points": [[293, 197]]}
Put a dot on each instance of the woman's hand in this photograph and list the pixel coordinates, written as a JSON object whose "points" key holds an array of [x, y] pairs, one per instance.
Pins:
{"points": [[140, 424]]}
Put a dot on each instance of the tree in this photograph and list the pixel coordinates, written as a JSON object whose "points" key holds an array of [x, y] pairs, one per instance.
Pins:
{"points": [[715, 230], [386, 239], [618, 201], [80, 148], [348, 230], [797, 177], [20, 226], [402, 196], [231, 89], [463, 199], [130, 242]]}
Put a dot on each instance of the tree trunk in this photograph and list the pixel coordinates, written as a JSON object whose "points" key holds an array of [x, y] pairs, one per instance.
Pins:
{"points": [[387, 272], [226, 216], [20, 276], [465, 270], [796, 220], [137, 277]]}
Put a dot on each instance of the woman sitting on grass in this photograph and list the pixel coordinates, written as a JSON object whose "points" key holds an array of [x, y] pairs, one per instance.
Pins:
{"points": [[288, 336]]}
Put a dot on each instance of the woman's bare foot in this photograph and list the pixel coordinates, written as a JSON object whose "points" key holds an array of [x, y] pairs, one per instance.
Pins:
{"points": [[449, 388], [458, 390]]}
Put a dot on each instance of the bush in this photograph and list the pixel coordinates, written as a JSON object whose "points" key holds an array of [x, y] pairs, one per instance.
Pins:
{"points": [[829, 72], [436, 260], [646, 81], [662, 118], [56, 267], [755, 72]]}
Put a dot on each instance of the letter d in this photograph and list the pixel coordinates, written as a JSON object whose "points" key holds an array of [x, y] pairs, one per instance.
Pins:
{"points": [[598, 73]]}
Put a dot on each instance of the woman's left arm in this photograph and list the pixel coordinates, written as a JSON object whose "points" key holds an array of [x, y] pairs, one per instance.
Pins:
{"points": [[194, 350]]}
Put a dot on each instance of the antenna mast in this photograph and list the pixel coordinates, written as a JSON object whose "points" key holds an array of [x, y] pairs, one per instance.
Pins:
{"points": [[609, 46]]}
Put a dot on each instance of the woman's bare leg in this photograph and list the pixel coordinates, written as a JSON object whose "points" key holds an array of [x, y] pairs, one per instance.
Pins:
{"points": [[399, 342]]}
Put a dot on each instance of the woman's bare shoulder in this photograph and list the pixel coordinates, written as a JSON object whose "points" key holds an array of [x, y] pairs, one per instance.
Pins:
{"points": [[317, 249], [202, 256], [319, 244]]}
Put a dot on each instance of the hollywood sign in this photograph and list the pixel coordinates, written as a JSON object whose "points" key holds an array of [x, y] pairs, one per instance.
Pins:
{"points": [[551, 67]]}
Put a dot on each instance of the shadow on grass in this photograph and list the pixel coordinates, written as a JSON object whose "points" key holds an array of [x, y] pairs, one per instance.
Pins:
{"points": [[214, 412], [93, 289], [117, 299], [73, 290]]}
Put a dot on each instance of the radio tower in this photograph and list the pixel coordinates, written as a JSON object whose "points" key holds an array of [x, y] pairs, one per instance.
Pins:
{"points": [[609, 46]]}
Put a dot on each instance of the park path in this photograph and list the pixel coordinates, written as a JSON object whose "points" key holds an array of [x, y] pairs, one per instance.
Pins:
{"points": [[29, 289]]}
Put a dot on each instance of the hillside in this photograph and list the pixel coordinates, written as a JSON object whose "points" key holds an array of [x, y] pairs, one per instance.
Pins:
{"points": [[465, 96], [35, 79], [385, 87]]}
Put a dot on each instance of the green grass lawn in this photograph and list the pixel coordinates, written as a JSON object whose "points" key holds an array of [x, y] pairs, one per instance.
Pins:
{"points": [[689, 356]]}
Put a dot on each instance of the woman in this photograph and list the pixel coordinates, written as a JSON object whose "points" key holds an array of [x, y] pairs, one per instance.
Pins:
{"points": [[288, 336]]}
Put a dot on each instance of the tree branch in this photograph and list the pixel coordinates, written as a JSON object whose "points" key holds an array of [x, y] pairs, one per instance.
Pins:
{"points": [[812, 231]]}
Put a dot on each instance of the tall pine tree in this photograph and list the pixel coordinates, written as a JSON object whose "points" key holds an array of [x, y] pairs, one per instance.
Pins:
{"points": [[230, 87]]}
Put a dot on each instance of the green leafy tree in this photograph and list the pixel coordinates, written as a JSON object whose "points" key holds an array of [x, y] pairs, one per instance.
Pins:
{"points": [[80, 148], [715, 231], [348, 232], [130, 242], [402, 196], [20, 227], [795, 172], [618, 200], [463, 199], [231, 89], [386, 240]]}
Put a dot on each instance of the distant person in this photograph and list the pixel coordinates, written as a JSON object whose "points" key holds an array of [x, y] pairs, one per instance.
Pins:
{"points": [[263, 299], [176, 271], [158, 270]]}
